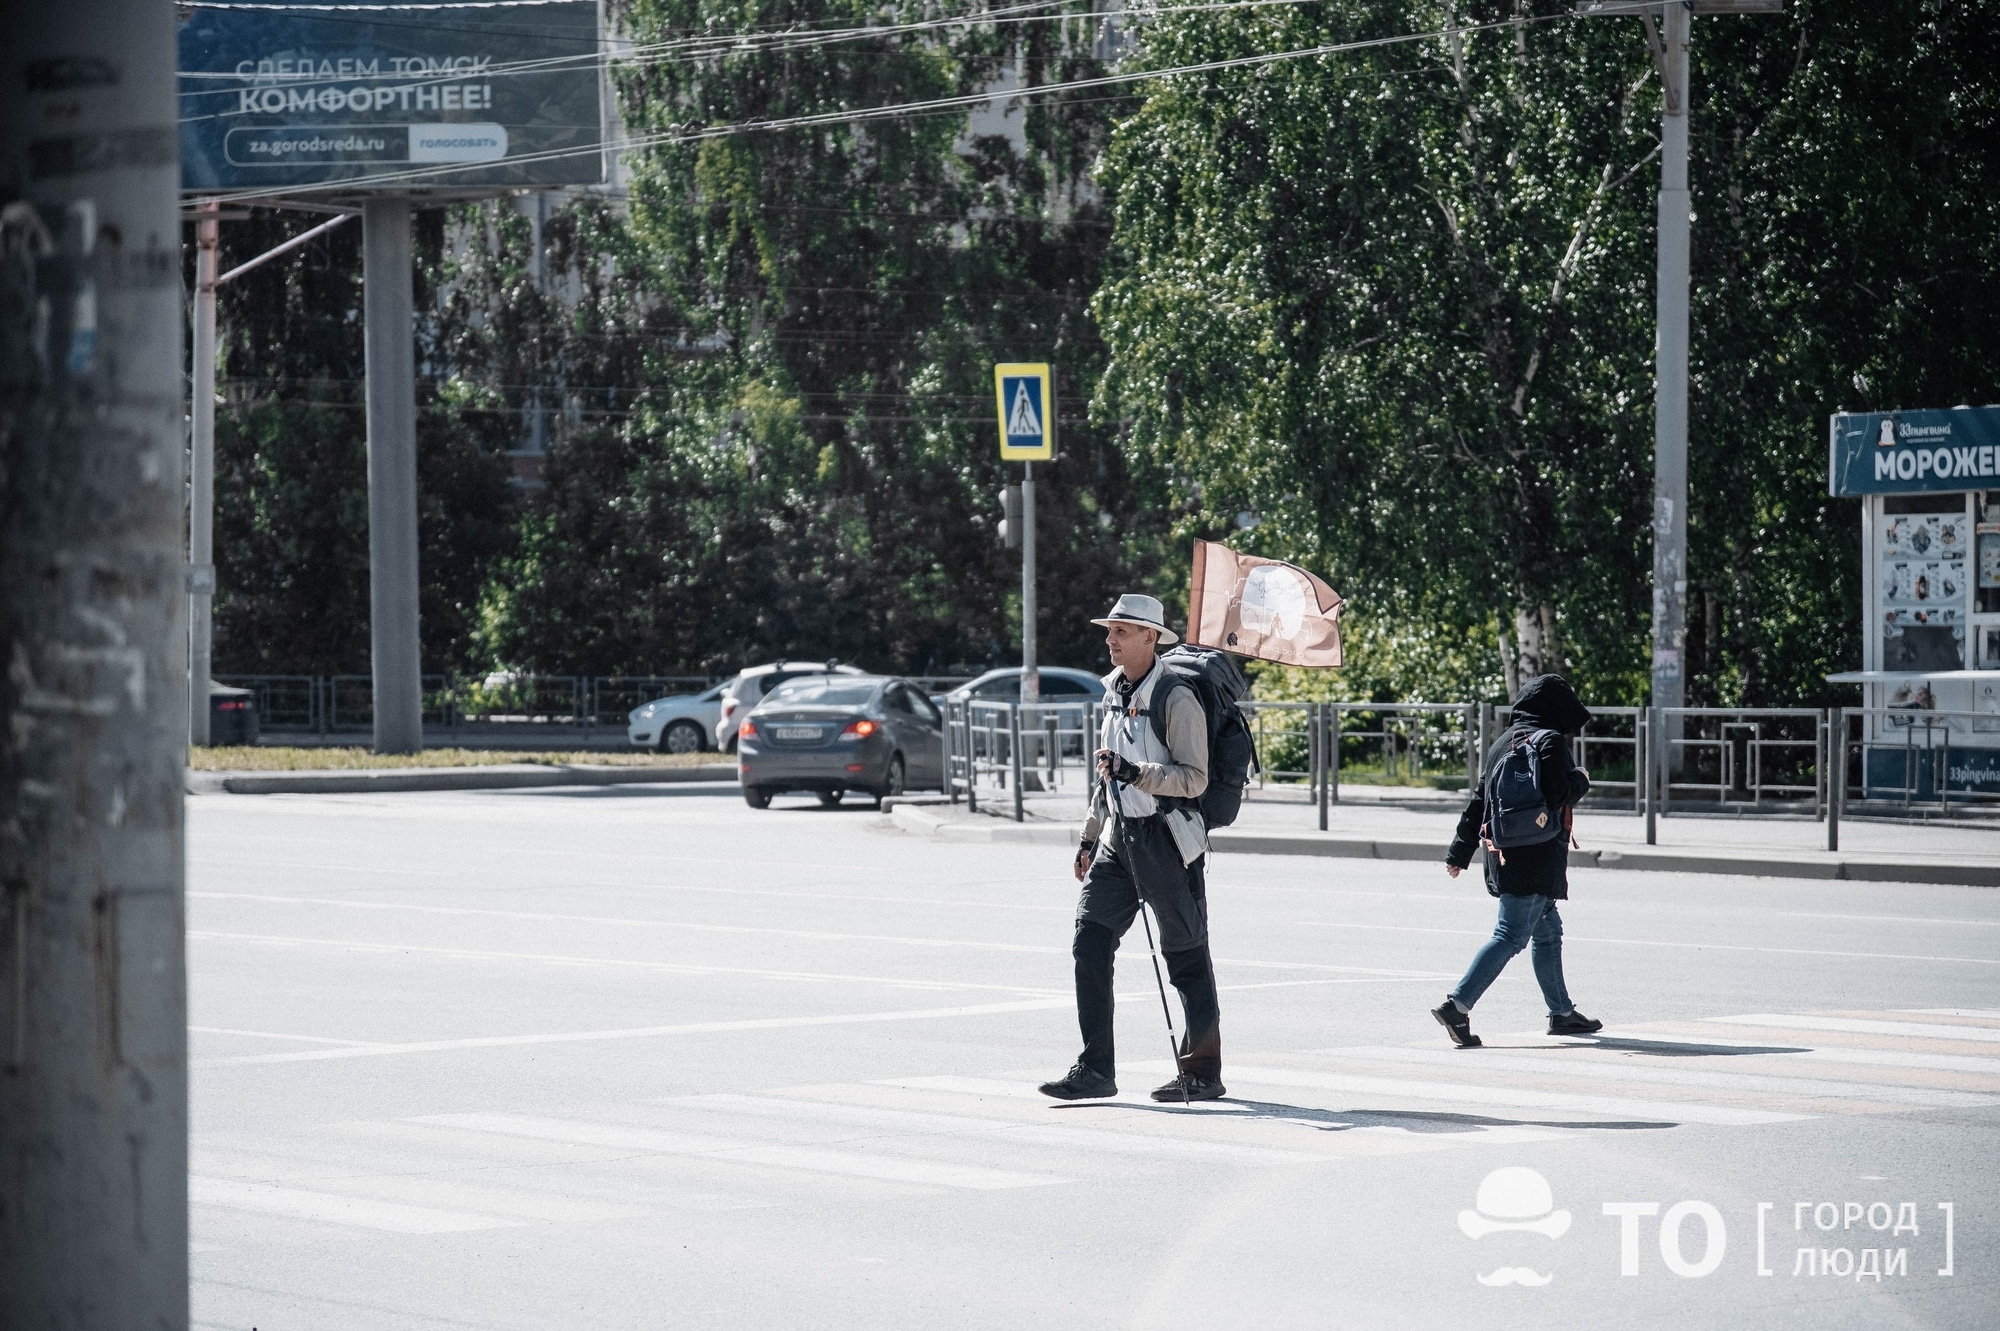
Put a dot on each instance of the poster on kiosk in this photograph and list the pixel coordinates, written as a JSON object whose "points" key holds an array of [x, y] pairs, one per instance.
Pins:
{"points": [[1929, 485]]}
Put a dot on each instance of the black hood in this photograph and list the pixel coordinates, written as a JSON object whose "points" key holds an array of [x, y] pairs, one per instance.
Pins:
{"points": [[1549, 702]]}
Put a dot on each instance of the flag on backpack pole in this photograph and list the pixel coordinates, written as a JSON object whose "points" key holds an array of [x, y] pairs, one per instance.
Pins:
{"points": [[1264, 608]]}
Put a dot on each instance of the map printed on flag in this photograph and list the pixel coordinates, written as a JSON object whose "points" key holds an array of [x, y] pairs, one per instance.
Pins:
{"points": [[1263, 608]]}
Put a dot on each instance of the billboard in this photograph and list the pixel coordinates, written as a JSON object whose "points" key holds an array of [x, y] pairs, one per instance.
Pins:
{"points": [[1914, 452], [437, 96]]}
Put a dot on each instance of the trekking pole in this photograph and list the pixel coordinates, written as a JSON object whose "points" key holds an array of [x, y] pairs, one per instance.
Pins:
{"points": [[1173, 1045]]}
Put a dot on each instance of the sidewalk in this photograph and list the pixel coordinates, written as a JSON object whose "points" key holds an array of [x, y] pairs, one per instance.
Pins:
{"points": [[1373, 824]]}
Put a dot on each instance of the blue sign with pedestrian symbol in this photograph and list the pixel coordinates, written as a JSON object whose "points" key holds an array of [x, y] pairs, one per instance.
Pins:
{"points": [[1026, 400]]}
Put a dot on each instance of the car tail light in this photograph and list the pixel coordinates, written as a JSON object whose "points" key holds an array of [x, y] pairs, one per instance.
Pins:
{"points": [[857, 767], [859, 730], [748, 730]]}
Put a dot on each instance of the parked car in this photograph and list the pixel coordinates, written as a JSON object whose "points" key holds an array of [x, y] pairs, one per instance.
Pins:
{"points": [[683, 723], [832, 733], [1059, 684], [745, 691]]}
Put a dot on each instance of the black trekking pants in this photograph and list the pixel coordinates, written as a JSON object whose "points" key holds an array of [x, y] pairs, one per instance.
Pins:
{"points": [[1178, 895]]}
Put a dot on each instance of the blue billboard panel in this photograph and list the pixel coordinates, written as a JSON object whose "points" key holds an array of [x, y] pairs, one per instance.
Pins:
{"points": [[438, 96], [1914, 452]]}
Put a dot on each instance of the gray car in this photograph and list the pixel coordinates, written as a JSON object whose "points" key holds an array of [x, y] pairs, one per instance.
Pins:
{"points": [[829, 734]]}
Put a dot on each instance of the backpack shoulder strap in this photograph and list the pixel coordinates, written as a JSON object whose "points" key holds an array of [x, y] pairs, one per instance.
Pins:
{"points": [[1171, 680]]}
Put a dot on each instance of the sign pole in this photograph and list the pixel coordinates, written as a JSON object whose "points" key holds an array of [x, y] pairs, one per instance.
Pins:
{"points": [[390, 354], [1031, 681], [1025, 396]]}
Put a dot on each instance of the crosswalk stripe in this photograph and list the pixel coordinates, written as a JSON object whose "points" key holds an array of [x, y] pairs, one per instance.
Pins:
{"points": [[662, 1142], [1460, 1092], [1093, 1140], [1761, 1083], [335, 1209], [1855, 1026]]}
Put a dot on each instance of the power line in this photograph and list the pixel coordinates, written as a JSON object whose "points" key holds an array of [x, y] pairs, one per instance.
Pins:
{"points": [[674, 136]]}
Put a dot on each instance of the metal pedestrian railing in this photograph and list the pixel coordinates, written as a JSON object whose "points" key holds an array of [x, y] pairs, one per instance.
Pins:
{"points": [[1010, 749], [341, 704], [1904, 760]]}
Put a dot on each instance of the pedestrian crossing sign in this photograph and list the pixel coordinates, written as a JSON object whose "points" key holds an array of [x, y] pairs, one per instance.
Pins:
{"points": [[1026, 398]]}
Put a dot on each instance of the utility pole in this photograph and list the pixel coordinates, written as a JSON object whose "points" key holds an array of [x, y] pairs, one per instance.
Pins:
{"points": [[201, 462], [1668, 33], [201, 450], [1670, 392], [390, 357], [93, 598]]}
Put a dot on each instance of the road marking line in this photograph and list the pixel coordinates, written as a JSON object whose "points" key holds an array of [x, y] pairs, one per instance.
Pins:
{"points": [[672, 967], [917, 1122], [1657, 942], [817, 936], [1510, 1097], [279, 1035], [1775, 1083], [638, 1032], [1987, 1014], [655, 1141], [627, 884], [331, 1208], [1852, 1026]]}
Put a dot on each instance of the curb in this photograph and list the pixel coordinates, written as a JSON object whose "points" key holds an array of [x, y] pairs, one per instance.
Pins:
{"points": [[922, 822], [500, 776]]}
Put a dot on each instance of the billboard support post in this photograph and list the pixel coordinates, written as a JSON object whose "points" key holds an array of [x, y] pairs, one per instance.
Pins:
{"points": [[93, 606], [390, 355]]}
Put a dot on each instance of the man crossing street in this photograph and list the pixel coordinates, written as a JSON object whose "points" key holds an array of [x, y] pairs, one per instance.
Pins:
{"points": [[1144, 841]]}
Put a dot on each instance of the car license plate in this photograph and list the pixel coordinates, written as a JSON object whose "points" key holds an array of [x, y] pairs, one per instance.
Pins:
{"points": [[796, 732]]}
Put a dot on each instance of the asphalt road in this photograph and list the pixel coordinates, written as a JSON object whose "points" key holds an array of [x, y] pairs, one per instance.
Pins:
{"points": [[645, 1058]]}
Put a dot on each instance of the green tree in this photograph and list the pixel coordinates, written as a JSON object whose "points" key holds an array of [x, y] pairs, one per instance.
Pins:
{"points": [[806, 460]]}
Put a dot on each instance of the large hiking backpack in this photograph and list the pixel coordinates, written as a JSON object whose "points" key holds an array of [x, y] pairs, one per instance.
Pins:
{"points": [[1518, 810], [1219, 684]]}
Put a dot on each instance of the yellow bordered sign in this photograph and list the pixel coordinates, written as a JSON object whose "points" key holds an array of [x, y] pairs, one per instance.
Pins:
{"points": [[1025, 395]]}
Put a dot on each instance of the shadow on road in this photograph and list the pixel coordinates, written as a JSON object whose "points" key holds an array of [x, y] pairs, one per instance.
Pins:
{"points": [[1670, 1049], [1341, 1120]]}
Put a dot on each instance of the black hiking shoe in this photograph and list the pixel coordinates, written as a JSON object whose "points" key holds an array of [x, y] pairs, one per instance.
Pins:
{"points": [[1187, 1087], [1458, 1026], [1081, 1083], [1574, 1023]]}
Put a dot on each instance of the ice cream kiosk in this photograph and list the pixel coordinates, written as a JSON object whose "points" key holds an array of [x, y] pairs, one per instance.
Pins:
{"points": [[1929, 484]]}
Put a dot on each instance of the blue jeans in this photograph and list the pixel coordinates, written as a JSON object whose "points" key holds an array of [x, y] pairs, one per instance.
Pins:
{"points": [[1522, 919]]}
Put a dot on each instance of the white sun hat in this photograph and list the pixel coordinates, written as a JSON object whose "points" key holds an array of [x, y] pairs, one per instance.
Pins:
{"points": [[1145, 611]]}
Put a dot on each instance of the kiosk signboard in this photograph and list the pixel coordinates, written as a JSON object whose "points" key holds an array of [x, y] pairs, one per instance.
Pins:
{"points": [[439, 96], [1914, 452]]}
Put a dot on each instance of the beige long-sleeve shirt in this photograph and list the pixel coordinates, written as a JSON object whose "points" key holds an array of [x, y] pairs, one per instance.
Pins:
{"points": [[1185, 776]]}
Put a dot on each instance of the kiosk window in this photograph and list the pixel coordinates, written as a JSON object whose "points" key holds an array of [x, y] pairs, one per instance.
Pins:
{"points": [[1923, 647]]}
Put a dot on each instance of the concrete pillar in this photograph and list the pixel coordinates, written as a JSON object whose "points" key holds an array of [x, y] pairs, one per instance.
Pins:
{"points": [[93, 609], [392, 475]]}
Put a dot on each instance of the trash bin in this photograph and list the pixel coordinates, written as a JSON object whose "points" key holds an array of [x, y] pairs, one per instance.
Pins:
{"points": [[232, 715]]}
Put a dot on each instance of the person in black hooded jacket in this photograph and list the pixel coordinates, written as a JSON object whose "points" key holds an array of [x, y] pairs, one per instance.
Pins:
{"points": [[1528, 880]]}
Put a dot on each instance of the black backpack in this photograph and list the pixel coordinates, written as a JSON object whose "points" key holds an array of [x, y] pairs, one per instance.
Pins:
{"points": [[1218, 684], [1518, 810]]}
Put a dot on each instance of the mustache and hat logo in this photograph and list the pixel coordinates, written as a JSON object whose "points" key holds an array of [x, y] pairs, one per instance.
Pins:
{"points": [[1514, 1200]]}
